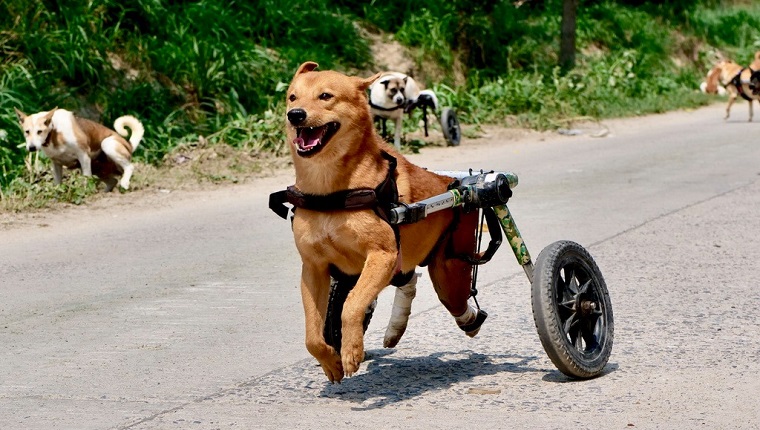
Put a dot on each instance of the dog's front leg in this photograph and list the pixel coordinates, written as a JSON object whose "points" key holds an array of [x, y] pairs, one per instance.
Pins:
{"points": [[376, 275], [86, 163], [57, 173], [397, 131], [315, 290], [731, 99]]}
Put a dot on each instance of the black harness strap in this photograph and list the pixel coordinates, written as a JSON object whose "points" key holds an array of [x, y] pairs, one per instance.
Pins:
{"points": [[737, 82], [374, 106]]}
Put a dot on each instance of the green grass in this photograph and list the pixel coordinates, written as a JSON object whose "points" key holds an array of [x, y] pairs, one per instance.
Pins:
{"points": [[215, 70]]}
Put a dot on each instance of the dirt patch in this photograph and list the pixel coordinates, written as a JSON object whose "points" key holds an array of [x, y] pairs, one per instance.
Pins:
{"points": [[389, 54]]}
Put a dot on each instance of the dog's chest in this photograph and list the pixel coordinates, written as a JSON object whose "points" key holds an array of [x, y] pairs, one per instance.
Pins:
{"points": [[61, 152], [339, 238]]}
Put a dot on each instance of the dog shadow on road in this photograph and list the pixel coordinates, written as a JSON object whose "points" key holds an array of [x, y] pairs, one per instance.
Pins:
{"points": [[390, 380]]}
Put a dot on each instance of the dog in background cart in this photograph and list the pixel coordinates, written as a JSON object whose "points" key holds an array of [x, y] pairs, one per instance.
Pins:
{"points": [[395, 94]]}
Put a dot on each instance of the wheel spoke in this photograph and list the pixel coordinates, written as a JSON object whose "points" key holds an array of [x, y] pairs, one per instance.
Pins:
{"points": [[571, 280], [589, 334], [583, 288], [570, 324], [568, 304], [565, 295]]}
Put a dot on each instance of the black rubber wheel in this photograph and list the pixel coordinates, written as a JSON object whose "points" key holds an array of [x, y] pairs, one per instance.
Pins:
{"points": [[450, 127], [333, 324], [572, 310]]}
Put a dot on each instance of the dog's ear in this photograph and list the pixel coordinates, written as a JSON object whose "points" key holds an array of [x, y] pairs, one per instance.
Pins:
{"points": [[366, 83], [308, 66], [385, 83], [405, 78], [21, 115], [49, 116]]}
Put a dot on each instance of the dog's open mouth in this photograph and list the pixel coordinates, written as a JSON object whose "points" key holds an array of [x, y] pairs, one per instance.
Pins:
{"points": [[310, 140]]}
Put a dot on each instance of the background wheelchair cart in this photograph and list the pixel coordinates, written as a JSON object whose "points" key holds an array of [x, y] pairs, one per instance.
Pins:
{"points": [[447, 118]]}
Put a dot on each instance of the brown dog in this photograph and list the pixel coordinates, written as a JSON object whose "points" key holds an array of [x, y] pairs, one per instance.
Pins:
{"points": [[737, 81], [335, 148]]}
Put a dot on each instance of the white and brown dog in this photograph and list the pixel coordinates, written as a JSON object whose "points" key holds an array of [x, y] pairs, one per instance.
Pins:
{"points": [[73, 143], [391, 96]]}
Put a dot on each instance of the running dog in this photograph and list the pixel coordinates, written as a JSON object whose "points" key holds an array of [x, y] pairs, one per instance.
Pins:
{"points": [[391, 95], [729, 77], [347, 178], [73, 143]]}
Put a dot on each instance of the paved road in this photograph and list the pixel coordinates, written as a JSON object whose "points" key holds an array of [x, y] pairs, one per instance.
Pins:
{"points": [[184, 312]]}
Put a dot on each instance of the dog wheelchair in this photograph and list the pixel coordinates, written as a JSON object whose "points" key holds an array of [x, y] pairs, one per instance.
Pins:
{"points": [[571, 306], [448, 119]]}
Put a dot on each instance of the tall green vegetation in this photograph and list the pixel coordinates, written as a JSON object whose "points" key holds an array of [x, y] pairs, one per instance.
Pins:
{"points": [[218, 69]]}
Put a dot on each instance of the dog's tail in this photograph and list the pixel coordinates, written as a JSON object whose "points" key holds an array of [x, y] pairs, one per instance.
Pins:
{"points": [[712, 84], [134, 124], [431, 94]]}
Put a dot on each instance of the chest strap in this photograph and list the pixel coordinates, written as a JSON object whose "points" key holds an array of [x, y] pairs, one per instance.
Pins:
{"points": [[381, 199]]}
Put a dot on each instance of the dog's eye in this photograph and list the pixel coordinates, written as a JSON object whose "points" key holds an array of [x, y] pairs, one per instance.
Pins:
{"points": [[401, 90], [39, 131], [292, 97], [393, 91], [325, 96], [26, 131]]}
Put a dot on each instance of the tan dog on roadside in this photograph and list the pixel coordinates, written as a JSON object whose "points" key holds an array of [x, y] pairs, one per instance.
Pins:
{"points": [[335, 147], [736, 80], [73, 143]]}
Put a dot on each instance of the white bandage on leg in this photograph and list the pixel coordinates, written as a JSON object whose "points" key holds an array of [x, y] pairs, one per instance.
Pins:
{"points": [[402, 308], [467, 318]]}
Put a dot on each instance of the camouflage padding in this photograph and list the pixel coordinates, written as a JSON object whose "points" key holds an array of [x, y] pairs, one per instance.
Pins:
{"points": [[512, 179], [513, 234], [458, 201]]}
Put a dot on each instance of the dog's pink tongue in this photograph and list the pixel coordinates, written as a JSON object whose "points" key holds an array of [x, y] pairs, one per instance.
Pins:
{"points": [[309, 138]]}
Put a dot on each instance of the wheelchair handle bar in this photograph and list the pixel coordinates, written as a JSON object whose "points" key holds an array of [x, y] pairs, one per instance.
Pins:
{"points": [[482, 190]]}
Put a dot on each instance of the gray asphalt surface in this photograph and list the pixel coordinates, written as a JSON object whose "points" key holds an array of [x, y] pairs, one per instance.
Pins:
{"points": [[184, 312]]}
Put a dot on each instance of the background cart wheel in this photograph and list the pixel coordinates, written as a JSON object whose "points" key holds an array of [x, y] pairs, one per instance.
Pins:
{"points": [[450, 127], [333, 325], [572, 310]]}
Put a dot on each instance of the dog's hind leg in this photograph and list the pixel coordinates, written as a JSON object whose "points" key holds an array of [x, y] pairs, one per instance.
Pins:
{"points": [[452, 277], [402, 308], [110, 182], [121, 156], [315, 291], [750, 110]]}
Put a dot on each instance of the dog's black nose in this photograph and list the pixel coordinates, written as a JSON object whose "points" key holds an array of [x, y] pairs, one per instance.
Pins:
{"points": [[32, 148], [296, 116]]}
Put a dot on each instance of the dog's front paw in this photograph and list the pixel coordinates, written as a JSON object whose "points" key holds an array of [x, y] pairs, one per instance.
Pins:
{"points": [[352, 354], [333, 369]]}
